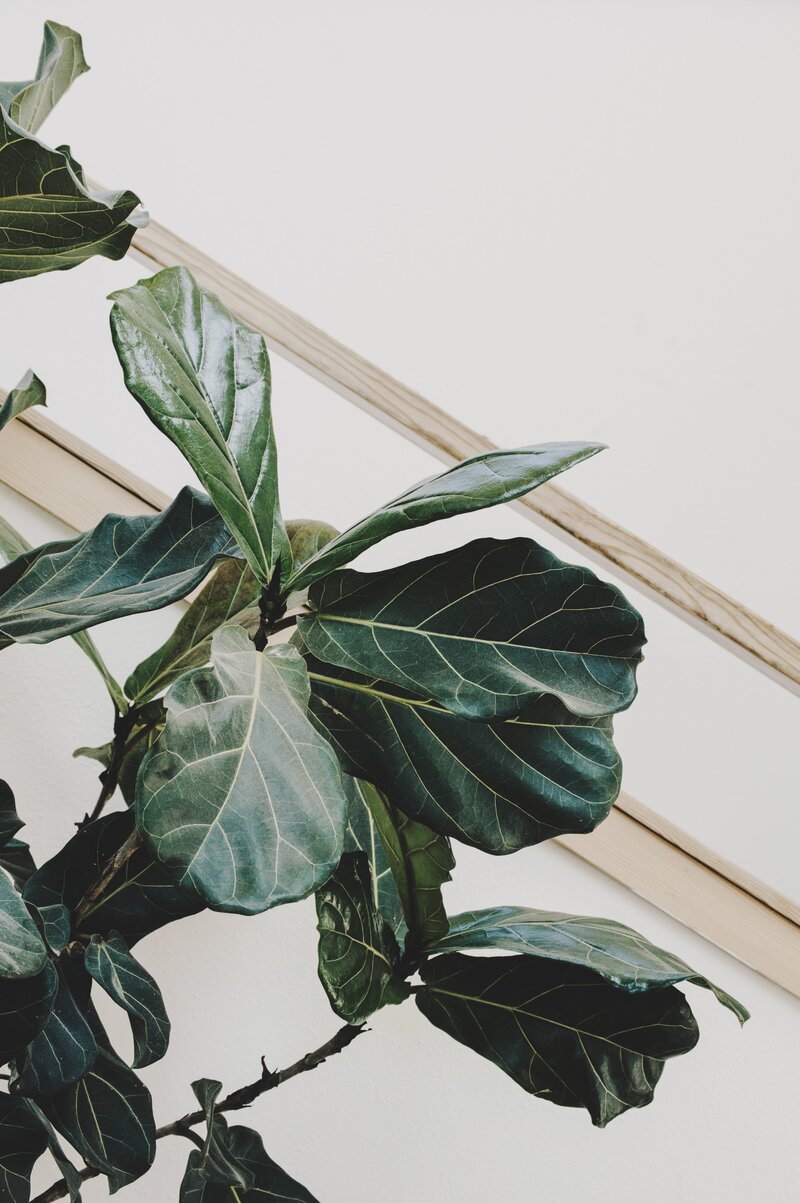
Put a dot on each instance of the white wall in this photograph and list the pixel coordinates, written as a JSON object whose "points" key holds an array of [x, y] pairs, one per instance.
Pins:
{"points": [[559, 220]]}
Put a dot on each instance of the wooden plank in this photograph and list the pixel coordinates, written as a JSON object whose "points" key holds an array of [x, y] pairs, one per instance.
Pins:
{"points": [[665, 580], [699, 896], [635, 846]]}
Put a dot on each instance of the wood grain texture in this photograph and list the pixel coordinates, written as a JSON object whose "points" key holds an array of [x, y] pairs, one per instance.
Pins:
{"points": [[669, 583], [698, 894]]}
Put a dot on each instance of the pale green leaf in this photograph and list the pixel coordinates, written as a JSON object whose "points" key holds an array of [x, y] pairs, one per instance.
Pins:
{"points": [[61, 61]]}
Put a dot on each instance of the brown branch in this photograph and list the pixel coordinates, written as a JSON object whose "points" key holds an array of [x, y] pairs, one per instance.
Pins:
{"points": [[110, 869], [237, 1099]]}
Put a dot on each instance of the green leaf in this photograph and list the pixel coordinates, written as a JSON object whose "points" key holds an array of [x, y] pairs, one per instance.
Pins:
{"points": [[55, 925], [30, 391], [22, 1142], [230, 594], [216, 1163], [72, 1178], [63, 1052], [16, 859], [203, 377], [144, 897], [485, 480], [61, 61], [483, 630], [10, 822], [50, 220], [560, 1031], [25, 1004], [110, 963], [269, 1180], [22, 953], [612, 950], [241, 798], [358, 954], [108, 1118], [123, 566], [500, 786], [409, 865], [307, 537], [12, 544]]}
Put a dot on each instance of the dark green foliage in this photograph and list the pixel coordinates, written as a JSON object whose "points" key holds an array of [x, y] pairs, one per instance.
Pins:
{"points": [[466, 696]]}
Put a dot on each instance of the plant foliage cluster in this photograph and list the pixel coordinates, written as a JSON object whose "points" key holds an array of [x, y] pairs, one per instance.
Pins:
{"points": [[308, 729]]}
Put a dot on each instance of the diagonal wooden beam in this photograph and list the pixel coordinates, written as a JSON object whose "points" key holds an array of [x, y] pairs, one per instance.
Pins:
{"points": [[666, 581]]}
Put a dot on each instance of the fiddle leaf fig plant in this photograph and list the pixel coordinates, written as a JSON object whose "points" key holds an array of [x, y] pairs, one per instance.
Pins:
{"points": [[309, 729]]}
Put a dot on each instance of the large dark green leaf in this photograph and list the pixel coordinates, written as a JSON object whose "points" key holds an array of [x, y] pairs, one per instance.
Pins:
{"points": [[108, 1118], [560, 1031], [202, 376], [50, 220], [12, 544], [231, 593], [30, 391], [616, 952], [485, 480], [72, 1179], [144, 897], [22, 1142], [55, 924], [483, 630], [15, 856], [409, 863], [501, 786], [25, 1004], [123, 566], [110, 963], [61, 61], [22, 951], [269, 1180], [358, 954], [63, 1051], [241, 798]]}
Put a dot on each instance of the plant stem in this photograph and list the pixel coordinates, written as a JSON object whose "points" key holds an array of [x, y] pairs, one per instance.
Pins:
{"points": [[109, 871], [123, 725], [242, 1097]]}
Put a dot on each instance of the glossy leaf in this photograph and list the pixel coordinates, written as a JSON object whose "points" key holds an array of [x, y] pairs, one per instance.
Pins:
{"points": [[560, 1031], [612, 950], [25, 1004], [123, 566], [110, 963], [358, 954], [203, 377], [483, 630], [30, 391], [241, 798], [63, 1052], [54, 923], [307, 537], [12, 544], [216, 1163], [22, 1142], [50, 220], [269, 1180], [485, 480], [22, 952], [144, 897], [108, 1118], [72, 1179], [409, 864], [230, 594], [500, 786], [61, 61]]}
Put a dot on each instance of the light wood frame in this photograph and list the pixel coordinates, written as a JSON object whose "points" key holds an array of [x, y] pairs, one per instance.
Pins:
{"points": [[635, 846]]}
